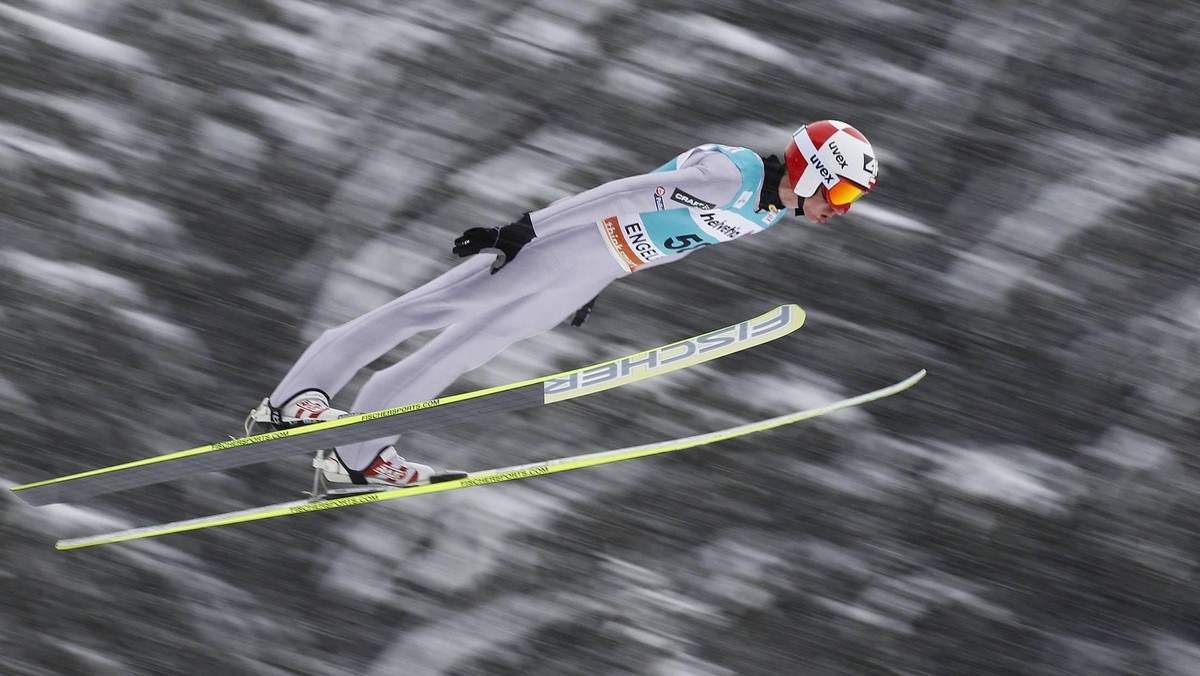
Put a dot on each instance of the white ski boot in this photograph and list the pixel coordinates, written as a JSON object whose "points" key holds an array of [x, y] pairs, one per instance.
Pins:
{"points": [[388, 469], [310, 406]]}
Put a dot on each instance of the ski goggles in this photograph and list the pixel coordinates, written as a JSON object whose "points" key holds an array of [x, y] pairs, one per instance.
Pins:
{"points": [[843, 194]]}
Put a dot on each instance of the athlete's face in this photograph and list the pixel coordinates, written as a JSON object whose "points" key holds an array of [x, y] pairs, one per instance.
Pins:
{"points": [[817, 209]]}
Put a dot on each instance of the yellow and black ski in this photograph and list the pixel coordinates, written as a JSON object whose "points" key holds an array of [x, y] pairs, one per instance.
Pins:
{"points": [[484, 477], [420, 416]]}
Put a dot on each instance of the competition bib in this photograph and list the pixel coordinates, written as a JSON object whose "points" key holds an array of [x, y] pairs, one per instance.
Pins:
{"points": [[637, 239]]}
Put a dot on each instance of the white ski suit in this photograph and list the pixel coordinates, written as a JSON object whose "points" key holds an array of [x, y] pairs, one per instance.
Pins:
{"points": [[706, 195]]}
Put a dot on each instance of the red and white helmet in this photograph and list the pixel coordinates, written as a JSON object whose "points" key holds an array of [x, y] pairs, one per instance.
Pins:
{"points": [[833, 157]]}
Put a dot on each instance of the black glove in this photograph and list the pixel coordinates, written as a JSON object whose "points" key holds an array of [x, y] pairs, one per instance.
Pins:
{"points": [[582, 313], [505, 242]]}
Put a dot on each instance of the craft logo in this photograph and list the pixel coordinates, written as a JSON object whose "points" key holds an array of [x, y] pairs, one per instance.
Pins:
{"points": [[743, 199], [658, 198], [868, 163], [693, 202], [669, 357]]}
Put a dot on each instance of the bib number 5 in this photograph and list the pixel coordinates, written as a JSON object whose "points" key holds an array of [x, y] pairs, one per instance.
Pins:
{"points": [[684, 243]]}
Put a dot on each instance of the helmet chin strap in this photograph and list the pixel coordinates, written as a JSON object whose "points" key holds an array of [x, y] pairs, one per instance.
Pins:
{"points": [[822, 194], [800, 208]]}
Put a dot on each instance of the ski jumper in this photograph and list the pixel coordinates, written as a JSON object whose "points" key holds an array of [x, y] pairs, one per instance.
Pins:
{"points": [[705, 196]]}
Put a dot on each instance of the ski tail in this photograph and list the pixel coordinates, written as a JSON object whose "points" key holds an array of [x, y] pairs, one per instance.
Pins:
{"points": [[425, 415], [486, 477]]}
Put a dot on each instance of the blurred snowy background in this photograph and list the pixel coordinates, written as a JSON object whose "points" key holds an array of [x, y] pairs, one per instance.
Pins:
{"points": [[192, 190]]}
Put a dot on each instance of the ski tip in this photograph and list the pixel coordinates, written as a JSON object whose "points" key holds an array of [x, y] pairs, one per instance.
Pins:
{"points": [[794, 313], [32, 497], [910, 381]]}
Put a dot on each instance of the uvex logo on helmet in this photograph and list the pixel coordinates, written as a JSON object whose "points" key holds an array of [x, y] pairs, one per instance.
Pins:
{"points": [[832, 157]]}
